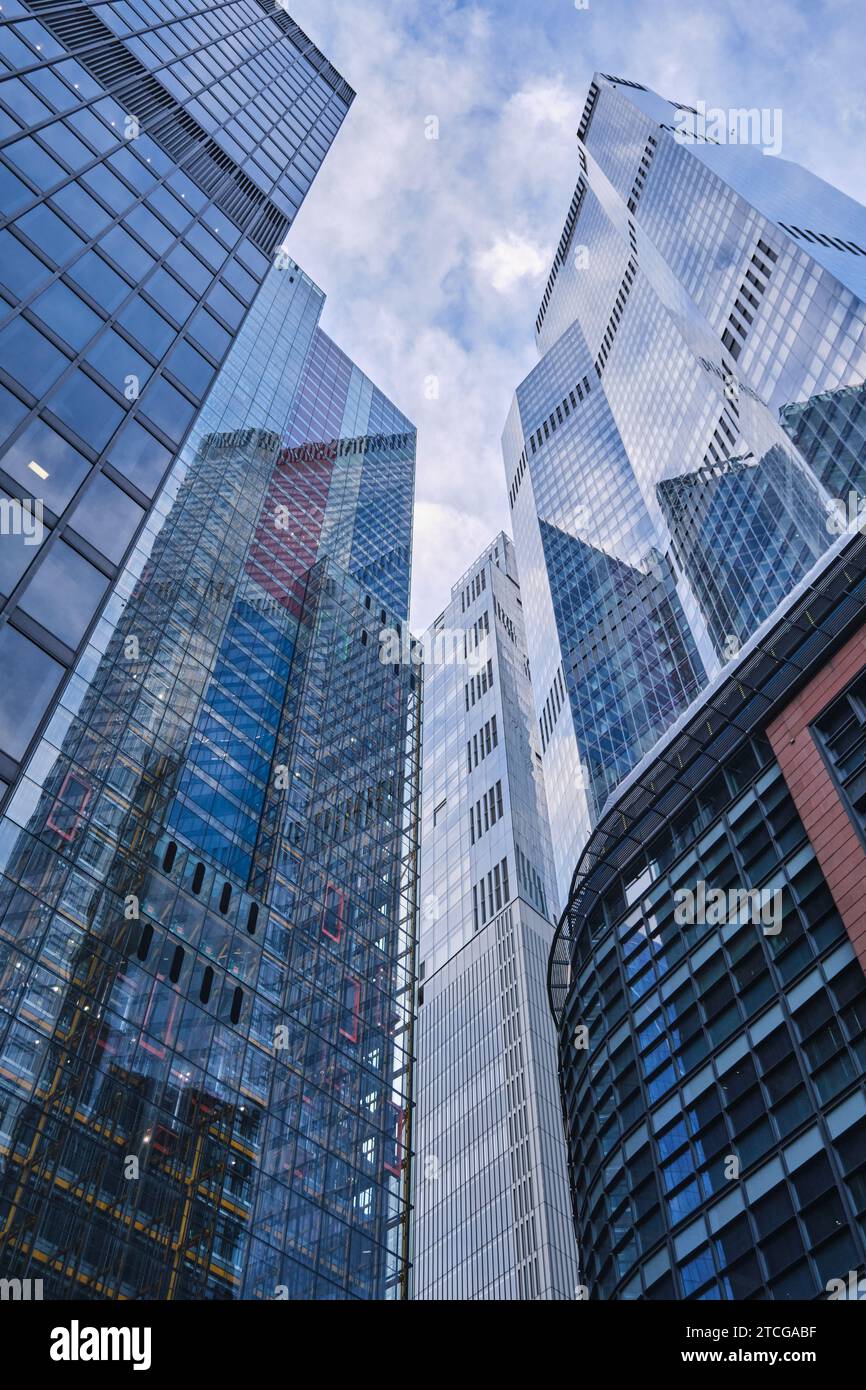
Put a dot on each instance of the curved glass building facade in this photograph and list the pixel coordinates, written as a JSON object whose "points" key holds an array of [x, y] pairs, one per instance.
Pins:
{"points": [[707, 980]]}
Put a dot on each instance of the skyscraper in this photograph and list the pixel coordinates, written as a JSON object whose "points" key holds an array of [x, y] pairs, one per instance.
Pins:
{"points": [[207, 903], [151, 163], [707, 978], [704, 294], [490, 1191]]}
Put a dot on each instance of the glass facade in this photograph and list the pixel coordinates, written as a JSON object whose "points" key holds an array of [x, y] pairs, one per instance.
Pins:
{"points": [[713, 1063], [208, 867], [666, 490], [490, 1192], [152, 159]]}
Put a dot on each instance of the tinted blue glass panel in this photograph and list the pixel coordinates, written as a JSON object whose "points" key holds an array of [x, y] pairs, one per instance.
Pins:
{"points": [[116, 360], [147, 326], [30, 680], [128, 254], [64, 593], [50, 234], [140, 457], [20, 538], [86, 409], [107, 518], [35, 163], [99, 280], [20, 271], [81, 209], [167, 409], [191, 368], [11, 411], [29, 357], [59, 469], [19, 98], [67, 315]]}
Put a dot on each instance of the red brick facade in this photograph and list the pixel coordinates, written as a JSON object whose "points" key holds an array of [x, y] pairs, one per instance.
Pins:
{"points": [[838, 846]]}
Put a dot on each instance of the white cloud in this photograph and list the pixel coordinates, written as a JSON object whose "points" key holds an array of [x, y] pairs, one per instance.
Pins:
{"points": [[511, 258], [547, 103]]}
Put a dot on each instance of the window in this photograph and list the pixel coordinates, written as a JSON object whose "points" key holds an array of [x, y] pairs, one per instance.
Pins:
{"points": [[46, 230], [93, 130], [103, 183], [86, 408], [100, 282], [13, 193], [30, 679], [147, 326], [152, 232], [36, 165], [115, 360], [333, 913], [23, 102], [66, 314], [64, 572], [20, 539], [226, 305], [12, 412], [841, 730], [81, 209], [29, 357], [107, 518], [349, 1019], [176, 214], [242, 283], [191, 368], [52, 90], [20, 271], [127, 253], [168, 294], [190, 268], [133, 169], [205, 330], [167, 409], [13, 50], [59, 469], [206, 246], [140, 458]]}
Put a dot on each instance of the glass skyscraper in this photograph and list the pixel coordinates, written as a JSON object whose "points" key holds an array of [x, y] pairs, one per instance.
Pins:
{"points": [[152, 159], [666, 461], [491, 1204], [207, 903], [713, 1061], [210, 777]]}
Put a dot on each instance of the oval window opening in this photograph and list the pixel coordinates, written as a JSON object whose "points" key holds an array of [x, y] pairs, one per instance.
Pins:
{"points": [[144, 943], [237, 1000], [206, 985], [169, 857], [176, 963], [252, 918], [225, 897], [198, 878]]}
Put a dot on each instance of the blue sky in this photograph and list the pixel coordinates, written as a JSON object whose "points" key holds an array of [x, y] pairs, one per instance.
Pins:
{"points": [[434, 253]]}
